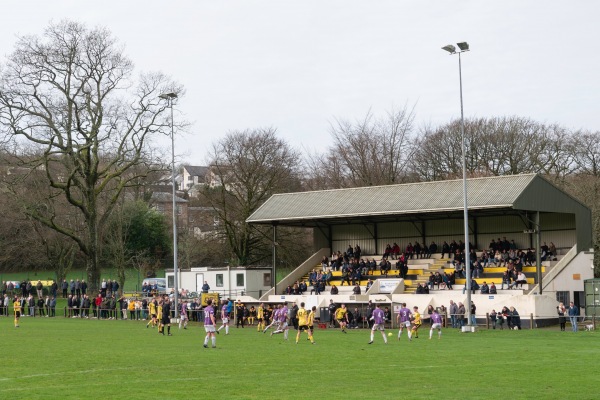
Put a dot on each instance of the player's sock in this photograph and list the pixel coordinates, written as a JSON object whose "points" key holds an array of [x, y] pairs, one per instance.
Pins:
{"points": [[371, 336], [227, 330], [440, 334], [285, 334], [214, 341], [206, 341], [399, 334], [169, 329], [409, 335]]}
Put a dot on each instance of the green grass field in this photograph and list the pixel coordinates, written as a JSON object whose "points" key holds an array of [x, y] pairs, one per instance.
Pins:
{"points": [[58, 358]]}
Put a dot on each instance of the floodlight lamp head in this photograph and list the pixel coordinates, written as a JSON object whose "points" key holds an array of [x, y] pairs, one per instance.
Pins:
{"points": [[463, 46], [450, 49], [167, 96]]}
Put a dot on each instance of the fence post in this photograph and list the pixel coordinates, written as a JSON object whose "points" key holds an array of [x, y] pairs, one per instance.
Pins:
{"points": [[531, 321]]}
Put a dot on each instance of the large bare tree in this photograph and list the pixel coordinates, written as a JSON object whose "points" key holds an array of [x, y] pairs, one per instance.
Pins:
{"points": [[247, 168], [72, 95], [368, 152]]}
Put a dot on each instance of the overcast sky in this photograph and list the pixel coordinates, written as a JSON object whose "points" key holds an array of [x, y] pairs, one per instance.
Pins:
{"points": [[298, 65]]}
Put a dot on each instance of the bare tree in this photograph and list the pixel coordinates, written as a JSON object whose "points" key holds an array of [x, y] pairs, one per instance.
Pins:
{"points": [[368, 152], [71, 94], [248, 167]]}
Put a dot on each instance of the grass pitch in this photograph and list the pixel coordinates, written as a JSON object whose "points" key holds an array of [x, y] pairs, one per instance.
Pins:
{"points": [[58, 358]]}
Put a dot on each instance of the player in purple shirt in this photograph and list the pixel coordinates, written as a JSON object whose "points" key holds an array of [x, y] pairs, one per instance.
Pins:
{"points": [[224, 318], [436, 320], [378, 319], [283, 322], [404, 316], [209, 324], [274, 319], [183, 316]]}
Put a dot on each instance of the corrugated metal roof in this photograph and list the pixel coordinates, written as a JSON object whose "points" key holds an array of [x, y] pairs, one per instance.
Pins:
{"points": [[494, 192]]}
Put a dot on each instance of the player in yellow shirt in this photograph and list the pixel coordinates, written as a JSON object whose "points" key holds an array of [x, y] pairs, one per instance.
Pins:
{"points": [[17, 308], [159, 315], [311, 321], [341, 315], [152, 307], [303, 323], [416, 322], [260, 317]]}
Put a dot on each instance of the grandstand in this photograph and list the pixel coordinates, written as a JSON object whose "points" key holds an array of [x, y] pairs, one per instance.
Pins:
{"points": [[525, 208]]}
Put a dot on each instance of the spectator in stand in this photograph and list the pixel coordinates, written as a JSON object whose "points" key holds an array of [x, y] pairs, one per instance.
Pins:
{"points": [[505, 280], [433, 248], [474, 287], [369, 284], [356, 289], [334, 290], [493, 288], [431, 280], [445, 281], [115, 288], [445, 249], [521, 280], [409, 251], [395, 251], [357, 252], [387, 252], [422, 289], [552, 251], [485, 289], [350, 251], [72, 287], [417, 250], [205, 287], [458, 268]]}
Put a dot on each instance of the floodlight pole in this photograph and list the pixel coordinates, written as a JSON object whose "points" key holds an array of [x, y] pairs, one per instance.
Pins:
{"points": [[170, 97], [464, 47]]}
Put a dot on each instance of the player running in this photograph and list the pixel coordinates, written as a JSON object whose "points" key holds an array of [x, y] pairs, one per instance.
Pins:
{"points": [[311, 322], [303, 320], [183, 315], [341, 316], [260, 316], [416, 322], [209, 324], [224, 318], [437, 324], [152, 307], [404, 316], [378, 319], [283, 321], [17, 309], [274, 319]]}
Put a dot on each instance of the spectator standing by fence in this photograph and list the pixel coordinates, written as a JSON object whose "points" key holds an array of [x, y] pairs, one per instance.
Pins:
{"points": [[561, 310], [573, 314]]}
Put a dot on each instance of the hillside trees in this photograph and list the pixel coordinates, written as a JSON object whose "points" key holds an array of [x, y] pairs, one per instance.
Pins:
{"points": [[70, 94], [371, 151], [249, 166]]}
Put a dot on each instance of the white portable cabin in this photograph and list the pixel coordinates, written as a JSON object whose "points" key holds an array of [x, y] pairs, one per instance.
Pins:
{"points": [[227, 281]]}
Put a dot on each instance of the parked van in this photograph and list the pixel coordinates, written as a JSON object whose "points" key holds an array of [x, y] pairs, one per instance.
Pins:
{"points": [[161, 284]]}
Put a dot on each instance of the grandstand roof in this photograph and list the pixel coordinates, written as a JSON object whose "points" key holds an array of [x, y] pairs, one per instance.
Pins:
{"points": [[428, 200]]}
